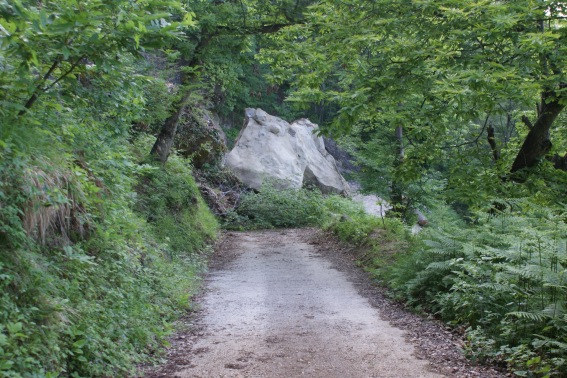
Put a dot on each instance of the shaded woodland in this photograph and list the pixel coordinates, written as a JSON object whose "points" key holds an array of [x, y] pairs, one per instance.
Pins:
{"points": [[112, 188]]}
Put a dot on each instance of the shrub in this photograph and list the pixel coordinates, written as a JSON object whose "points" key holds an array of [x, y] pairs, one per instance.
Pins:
{"points": [[170, 200], [503, 278], [89, 287], [279, 208]]}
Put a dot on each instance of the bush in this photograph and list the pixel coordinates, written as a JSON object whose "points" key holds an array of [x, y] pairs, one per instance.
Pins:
{"points": [[90, 287], [278, 208], [170, 201], [287, 208], [502, 278]]}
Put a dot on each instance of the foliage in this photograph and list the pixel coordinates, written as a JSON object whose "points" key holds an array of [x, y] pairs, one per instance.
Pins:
{"points": [[47, 47], [171, 202], [272, 207], [444, 71], [355, 228], [89, 287], [160, 95], [90, 298], [501, 276]]}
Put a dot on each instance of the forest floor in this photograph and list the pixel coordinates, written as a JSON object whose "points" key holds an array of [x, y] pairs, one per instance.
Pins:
{"points": [[293, 303]]}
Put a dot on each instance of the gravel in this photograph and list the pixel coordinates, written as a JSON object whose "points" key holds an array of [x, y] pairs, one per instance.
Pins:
{"points": [[290, 303]]}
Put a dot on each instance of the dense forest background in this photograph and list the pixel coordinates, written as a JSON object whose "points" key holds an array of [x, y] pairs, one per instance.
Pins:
{"points": [[108, 150]]}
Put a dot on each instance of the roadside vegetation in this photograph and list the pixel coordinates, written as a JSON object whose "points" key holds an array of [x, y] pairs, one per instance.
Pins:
{"points": [[451, 108], [99, 253], [101, 248], [498, 278], [288, 208]]}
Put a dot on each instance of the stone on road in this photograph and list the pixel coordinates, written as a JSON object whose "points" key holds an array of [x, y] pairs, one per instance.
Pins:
{"points": [[278, 309]]}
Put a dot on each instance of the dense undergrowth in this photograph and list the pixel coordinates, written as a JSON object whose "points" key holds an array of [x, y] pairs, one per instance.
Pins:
{"points": [[281, 208], [100, 250], [92, 273], [499, 278]]}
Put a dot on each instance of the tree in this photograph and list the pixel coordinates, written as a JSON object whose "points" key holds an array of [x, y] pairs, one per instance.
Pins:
{"points": [[46, 46], [226, 30], [432, 67]]}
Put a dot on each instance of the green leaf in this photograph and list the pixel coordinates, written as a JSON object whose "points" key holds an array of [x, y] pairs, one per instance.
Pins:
{"points": [[79, 343]]}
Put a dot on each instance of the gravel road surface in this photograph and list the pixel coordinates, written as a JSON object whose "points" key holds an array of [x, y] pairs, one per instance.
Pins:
{"points": [[291, 303]]}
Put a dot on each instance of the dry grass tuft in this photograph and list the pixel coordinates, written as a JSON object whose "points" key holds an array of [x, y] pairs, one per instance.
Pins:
{"points": [[55, 213]]}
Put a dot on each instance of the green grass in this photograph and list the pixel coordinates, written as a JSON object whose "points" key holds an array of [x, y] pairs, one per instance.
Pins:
{"points": [[288, 208], [121, 257]]}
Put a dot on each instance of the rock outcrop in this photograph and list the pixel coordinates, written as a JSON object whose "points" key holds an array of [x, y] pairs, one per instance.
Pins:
{"points": [[199, 137], [289, 155]]}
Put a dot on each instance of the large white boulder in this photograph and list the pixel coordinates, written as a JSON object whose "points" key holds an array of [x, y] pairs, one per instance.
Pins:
{"points": [[289, 156]]}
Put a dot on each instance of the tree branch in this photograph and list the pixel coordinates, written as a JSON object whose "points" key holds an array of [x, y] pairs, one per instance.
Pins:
{"points": [[250, 30], [39, 88], [492, 142], [475, 141], [271, 28], [527, 122], [73, 66]]}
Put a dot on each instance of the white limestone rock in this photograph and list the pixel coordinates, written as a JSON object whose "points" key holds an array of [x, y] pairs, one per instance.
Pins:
{"points": [[290, 156]]}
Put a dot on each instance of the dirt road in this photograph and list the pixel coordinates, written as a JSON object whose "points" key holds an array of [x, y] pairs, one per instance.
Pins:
{"points": [[277, 308]]}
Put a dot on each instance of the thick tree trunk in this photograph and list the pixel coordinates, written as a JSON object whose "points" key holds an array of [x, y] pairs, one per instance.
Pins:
{"points": [[166, 136], [537, 143]]}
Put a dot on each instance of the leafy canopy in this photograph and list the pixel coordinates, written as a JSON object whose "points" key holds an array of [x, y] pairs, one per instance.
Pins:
{"points": [[432, 66]]}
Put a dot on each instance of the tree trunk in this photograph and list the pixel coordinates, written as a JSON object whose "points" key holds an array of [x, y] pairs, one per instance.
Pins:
{"points": [[492, 141], [559, 162], [399, 204], [166, 136], [164, 141], [537, 143]]}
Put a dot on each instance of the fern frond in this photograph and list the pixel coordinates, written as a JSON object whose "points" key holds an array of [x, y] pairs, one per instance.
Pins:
{"points": [[556, 346], [442, 266], [534, 316], [496, 287], [533, 272], [555, 310]]}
